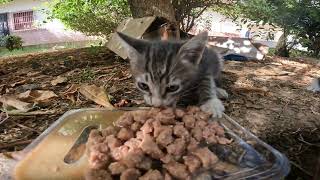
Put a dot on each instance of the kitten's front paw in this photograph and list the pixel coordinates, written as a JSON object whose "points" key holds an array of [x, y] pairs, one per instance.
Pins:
{"points": [[213, 106], [222, 94]]}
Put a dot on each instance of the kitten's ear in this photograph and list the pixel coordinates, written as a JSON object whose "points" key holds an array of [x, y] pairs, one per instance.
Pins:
{"points": [[134, 47], [192, 50]]}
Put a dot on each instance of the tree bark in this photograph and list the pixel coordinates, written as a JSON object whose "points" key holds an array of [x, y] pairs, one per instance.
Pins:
{"points": [[159, 8], [281, 48]]}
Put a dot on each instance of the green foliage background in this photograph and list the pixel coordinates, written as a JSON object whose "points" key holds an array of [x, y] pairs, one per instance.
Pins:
{"points": [[4, 1], [298, 18], [92, 17]]}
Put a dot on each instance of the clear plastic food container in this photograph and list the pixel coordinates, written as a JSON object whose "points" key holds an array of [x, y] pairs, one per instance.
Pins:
{"points": [[59, 152]]}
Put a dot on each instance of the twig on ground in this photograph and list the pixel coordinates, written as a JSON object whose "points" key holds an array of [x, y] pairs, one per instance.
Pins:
{"points": [[106, 82], [308, 143], [125, 78], [301, 169], [17, 143], [31, 113], [25, 127], [101, 76], [282, 74], [4, 119]]}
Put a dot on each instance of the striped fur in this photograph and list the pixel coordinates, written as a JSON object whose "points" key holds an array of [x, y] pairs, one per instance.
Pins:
{"points": [[162, 66]]}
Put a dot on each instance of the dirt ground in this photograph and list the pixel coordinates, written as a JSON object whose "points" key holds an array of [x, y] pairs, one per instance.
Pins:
{"points": [[269, 98]]}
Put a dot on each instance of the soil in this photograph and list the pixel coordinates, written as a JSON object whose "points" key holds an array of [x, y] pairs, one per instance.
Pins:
{"points": [[269, 98]]}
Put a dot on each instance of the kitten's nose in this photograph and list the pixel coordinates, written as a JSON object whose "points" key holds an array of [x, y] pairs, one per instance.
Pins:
{"points": [[156, 102]]}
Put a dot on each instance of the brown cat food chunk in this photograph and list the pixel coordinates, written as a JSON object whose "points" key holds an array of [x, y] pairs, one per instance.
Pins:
{"points": [[119, 152], [179, 113], [166, 117], [130, 174], [95, 137], [133, 143], [147, 127], [193, 109], [153, 112], [203, 176], [112, 142], [189, 121], [145, 164], [165, 136], [177, 170], [140, 135], [116, 168], [169, 112], [201, 123], [193, 144], [167, 176], [167, 158], [110, 130], [149, 146], [152, 175], [98, 159], [207, 131], [181, 131], [157, 128], [140, 116], [202, 115], [133, 158], [197, 133], [125, 120], [136, 126], [192, 162], [177, 147], [97, 174], [207, 157], [125, 134], [212, 139]]}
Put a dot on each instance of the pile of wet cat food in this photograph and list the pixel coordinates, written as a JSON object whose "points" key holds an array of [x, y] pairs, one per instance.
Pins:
{"points": [[158, 144]]}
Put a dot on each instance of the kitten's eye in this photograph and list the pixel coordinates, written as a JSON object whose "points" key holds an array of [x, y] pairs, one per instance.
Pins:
{"points": [[173, 88], [143, 86]]}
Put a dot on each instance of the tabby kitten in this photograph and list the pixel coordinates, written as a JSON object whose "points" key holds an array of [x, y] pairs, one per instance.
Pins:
{"points": [[172, 73]]}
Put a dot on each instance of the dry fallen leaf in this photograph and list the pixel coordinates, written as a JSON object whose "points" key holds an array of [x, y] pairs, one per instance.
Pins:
{"points": [[58, 80], [96, 94], [11, 102], [72, 89], [19, 83], [69, 93], [36, 96]]}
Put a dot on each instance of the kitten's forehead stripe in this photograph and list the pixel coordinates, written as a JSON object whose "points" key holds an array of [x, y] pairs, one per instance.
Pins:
{"points": [[146, 77], [166, 67], [149, 65]]}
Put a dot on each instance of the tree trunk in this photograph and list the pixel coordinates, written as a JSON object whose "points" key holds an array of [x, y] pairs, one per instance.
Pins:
{"points": [[316, 47], [281, 48], [160, 8]]}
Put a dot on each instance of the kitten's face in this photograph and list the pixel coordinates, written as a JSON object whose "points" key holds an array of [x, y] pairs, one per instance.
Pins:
{"points": [[164, 70]]}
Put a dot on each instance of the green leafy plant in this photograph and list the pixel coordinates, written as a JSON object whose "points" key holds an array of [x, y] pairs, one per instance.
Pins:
{"points": [[4, 1], [94, 17], [3, 41], [297, 19], [13, 42]]}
